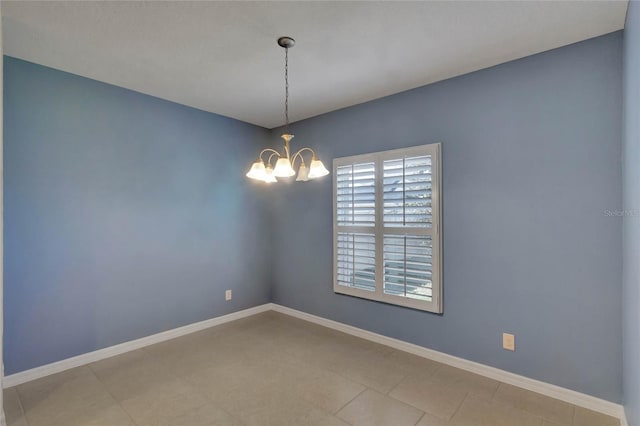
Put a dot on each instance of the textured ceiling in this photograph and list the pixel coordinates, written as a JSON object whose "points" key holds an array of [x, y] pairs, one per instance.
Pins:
{"points": [[222, 56]]}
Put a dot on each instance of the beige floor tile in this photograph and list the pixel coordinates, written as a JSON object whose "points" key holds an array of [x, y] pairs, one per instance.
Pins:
{"points": [[14, 415], [413, 364], [99, 411], [184, 357], [352, 342], [535, 403], [370, 368], [375, 409], [478, 411], [93, 415], [331, 421], [470, 382], [584, 417], [263, 373], [271, 369], [73, 397], [312, 349], [429, 420], [75, 382], [20, 421], [272, 406], [323, 347], [217, 383], [267, 392], [435, 398], [246, 402], [168, 400], [206, 415], [130, 374], [325, 389]]}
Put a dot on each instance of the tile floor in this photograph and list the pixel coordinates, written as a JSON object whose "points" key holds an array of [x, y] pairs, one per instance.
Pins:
{"points": [[271, 369]]}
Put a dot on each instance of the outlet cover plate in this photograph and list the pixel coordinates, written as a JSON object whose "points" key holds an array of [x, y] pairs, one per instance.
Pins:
{"points": [[508, 341]]}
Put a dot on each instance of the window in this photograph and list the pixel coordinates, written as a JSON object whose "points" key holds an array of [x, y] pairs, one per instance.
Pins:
{"points": [[386, 227]]}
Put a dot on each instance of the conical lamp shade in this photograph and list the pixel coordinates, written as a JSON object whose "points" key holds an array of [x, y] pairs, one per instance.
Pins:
{"points": [[269, 177], [303, 173], [283, 168], [257, 171], [317, 169]]}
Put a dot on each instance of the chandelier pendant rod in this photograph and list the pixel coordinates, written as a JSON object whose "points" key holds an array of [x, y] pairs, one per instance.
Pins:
{"points": [[286, 90]]}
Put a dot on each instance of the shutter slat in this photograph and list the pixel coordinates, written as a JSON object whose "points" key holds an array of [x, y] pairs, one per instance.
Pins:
{"points": [[356, 259], [355, 195], [407, 192], [408, 266]]}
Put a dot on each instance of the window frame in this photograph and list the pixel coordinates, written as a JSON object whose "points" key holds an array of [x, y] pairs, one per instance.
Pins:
{"points": [[379, 230]]}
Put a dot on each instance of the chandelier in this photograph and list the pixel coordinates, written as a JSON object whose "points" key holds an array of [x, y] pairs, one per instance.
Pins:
{"points": [[285, 162]]}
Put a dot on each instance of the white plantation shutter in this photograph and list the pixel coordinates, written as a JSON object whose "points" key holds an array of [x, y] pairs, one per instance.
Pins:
{"points": [[356, 194], [355, 191], [357, 260], [408, 266], [386, 227], [407, 192]]}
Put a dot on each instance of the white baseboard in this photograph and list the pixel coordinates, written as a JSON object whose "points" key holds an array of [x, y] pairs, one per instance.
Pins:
{"points": [[84, 359], [553, 391]]}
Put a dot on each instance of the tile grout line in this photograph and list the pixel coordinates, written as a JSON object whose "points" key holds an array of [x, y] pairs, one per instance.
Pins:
{"points": [[459, 406], [531, 412], [413, 406], [404, 376], [172, 376], [211, 400], [349, 402], [495, 392], [347, 378], [111, 395], [24, 412], [424, 413]]}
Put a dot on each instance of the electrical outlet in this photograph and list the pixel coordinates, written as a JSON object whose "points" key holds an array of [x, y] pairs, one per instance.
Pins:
{"points": [[508, 342], [227, 295]]}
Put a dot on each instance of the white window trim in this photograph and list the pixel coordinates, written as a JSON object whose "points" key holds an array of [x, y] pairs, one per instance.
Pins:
{"points": [[435, 305]]}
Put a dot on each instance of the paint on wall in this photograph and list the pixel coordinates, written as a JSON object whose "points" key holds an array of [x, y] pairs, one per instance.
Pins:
{"points": [[631, 215], [531, 153], [126, 215]]}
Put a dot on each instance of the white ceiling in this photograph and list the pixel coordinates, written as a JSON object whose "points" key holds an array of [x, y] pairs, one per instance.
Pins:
{"points": [[222, 56]]}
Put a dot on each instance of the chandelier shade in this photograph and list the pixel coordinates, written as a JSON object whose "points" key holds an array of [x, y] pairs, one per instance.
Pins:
{"points": [[281, 164], [317, 169], [268, 176], [303, 173], [257, 171], [283, 168]]}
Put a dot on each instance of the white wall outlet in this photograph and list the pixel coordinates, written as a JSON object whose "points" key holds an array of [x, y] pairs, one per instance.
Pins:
{"points": [[508, 342], [227, 295]]}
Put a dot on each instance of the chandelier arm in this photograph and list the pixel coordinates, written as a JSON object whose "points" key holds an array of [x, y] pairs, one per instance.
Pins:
{"points": [[299, 154], [268, 150], [271, 156]]}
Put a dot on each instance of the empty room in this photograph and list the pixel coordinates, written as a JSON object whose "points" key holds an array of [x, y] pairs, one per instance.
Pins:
{"points": [[379, 213]]}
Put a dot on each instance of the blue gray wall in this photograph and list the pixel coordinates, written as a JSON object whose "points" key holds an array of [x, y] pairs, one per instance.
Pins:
{"points": [[631, 226], [125, 215], [531, 166]]}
